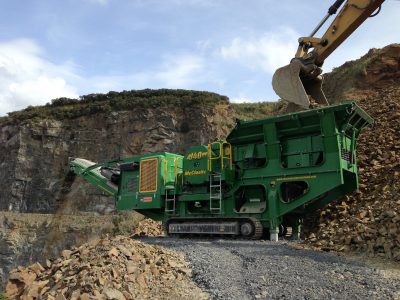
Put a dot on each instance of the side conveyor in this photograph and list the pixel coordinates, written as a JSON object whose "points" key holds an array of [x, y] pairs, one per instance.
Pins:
{"points": [[91, 172]]}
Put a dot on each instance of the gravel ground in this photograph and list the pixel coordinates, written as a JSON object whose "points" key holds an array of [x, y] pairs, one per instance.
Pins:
{"points": [[239, 269]]}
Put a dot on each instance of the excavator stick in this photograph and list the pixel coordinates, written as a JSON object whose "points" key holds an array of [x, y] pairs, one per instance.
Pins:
{"points": [[291, 86]]}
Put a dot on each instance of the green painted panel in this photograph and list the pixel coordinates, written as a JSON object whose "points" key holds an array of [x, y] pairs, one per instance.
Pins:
{"points": [[195, 166]]}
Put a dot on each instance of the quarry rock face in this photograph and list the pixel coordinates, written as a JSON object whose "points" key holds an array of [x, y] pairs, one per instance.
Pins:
{"points": [[34, 155]]}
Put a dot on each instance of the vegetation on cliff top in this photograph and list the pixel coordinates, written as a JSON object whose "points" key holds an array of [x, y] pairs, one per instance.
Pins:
{"points": [[344, 78], [258, 110], [66, 108]]}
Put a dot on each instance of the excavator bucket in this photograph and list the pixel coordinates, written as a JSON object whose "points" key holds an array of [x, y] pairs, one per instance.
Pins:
{"points": [[291, 86]]}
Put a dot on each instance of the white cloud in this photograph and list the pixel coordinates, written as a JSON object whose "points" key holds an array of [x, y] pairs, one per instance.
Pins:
{"points": [[241, 100], [28, 79], [176, 71], [267, 52], [181, 71]]}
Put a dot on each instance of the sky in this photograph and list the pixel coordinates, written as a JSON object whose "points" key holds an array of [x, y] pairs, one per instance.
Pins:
{"points": [[67, 48]]}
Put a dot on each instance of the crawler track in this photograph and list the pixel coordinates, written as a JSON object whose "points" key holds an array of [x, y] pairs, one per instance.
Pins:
{"points": [[214, 227]]}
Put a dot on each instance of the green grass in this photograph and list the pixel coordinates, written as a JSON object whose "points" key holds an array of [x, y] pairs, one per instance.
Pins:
{"points": [[344, 78], [3, 297], [354, 68], [251, 111]]}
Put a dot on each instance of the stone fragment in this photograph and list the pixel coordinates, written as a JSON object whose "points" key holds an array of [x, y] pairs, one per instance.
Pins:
{"points": [[27, 277], [44, 290], [75, 295], [113, 252], [125, 251], [66, 254], [13, 289], [84, 296], [113, 294], [98, 295], [37, 268], [141, 280], [131, 267], [60, 296], [57, 276], [33, 291], [48, 263]]}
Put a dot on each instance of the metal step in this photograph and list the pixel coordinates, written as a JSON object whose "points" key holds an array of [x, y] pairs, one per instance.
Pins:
{"points": [[215, 193]]}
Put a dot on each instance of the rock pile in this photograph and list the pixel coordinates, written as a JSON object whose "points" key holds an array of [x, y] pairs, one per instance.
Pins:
{"points": [[149, 227], [118, 268], [369, 220]]}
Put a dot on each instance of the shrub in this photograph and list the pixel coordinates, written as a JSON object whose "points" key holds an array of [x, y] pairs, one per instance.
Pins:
{"points": [[66, 108], [251, 111]]}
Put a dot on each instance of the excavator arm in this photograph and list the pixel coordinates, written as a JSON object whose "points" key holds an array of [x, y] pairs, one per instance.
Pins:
{"points": [[301, 79]]}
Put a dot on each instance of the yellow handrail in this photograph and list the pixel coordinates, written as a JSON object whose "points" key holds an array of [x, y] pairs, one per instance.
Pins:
{"points": [[175, 170], [176, 167], [221, 155], [229, 155]]}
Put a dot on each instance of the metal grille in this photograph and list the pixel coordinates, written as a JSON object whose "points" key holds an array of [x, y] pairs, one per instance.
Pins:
{"points": [[148, 175], [346, 155], [131, 185]]}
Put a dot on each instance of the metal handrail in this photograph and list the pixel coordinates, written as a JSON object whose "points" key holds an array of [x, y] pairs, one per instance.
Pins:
{"points": [[221, 155], [175, 170]]}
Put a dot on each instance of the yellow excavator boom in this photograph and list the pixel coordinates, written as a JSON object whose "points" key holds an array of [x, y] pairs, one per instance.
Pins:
{"points": [[301, 79]]}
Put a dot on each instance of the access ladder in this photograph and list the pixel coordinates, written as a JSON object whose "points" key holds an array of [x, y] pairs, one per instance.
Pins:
{"points": [[170, 200], [215, 192]]}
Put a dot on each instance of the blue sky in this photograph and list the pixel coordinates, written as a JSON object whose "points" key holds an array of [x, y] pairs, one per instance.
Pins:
{"points": [[50, 49]]}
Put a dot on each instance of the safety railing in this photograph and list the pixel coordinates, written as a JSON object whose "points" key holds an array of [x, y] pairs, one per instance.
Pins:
{"points": [[172, 172], [224, 150]]}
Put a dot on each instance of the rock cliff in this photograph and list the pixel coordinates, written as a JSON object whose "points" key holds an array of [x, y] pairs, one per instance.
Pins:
{"points": [[35, 144]]}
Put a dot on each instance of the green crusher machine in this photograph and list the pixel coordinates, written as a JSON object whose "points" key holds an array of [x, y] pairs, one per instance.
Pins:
{"points": [[265, 177]]}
